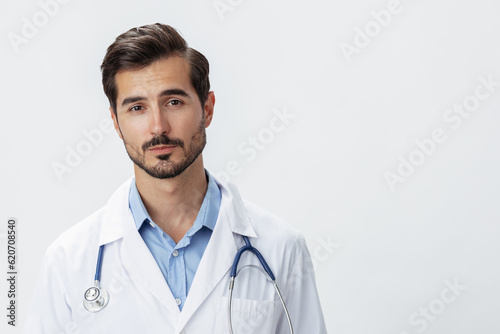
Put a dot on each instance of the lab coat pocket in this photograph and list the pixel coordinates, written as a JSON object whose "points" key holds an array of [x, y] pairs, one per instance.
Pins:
{"points": [[248, 316]]}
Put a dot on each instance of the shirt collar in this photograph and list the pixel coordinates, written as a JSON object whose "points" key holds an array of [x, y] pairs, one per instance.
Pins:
{"points": [[207, 215]]}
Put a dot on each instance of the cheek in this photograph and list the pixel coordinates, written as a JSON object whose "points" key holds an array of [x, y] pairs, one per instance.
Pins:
{"points": [[133, 133], [185, 126]]}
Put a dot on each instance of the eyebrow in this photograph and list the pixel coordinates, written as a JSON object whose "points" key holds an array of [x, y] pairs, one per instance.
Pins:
{"points": [[172, 91]]}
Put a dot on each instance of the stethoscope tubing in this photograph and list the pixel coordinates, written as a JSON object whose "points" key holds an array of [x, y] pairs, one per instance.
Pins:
{"points": [[234, 270], [99, 264], [248, 247]]}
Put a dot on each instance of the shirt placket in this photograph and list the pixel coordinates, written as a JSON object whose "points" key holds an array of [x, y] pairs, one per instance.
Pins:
{"points": [[177, 276]]}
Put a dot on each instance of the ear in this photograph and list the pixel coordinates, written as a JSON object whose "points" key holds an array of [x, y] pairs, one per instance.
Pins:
{"points": [[209, 108], [115, 123]]}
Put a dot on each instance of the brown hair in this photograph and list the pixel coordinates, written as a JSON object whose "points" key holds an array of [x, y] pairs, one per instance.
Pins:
{"points": [[140, 47]]}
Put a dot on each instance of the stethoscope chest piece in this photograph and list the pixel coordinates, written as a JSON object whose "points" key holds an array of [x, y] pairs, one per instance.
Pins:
{"points": [[95, 299]]}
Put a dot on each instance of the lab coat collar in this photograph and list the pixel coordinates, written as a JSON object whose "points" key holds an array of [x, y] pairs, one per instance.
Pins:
{"points": [[237, 213], [113, 228]]}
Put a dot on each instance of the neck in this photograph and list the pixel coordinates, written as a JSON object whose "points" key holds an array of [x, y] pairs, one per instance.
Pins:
{"points": [[174, 203]]}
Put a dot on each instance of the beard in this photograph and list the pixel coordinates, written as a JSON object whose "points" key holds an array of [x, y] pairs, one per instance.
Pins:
{"points": [[165, 168]]}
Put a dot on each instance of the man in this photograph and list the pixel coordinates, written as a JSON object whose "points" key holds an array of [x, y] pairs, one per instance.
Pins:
{"points": [[169, 235]]}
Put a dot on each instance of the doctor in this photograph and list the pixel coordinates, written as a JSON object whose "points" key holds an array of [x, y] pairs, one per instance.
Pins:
{"points": [[171, 233]]}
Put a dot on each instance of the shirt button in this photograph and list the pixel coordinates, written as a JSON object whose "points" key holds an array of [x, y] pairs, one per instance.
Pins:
{"points": [[178, 301], [175, 253], [182, 332]]}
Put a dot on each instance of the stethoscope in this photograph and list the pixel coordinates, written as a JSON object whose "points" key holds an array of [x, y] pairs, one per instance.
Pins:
{"points": [[96, 298]]}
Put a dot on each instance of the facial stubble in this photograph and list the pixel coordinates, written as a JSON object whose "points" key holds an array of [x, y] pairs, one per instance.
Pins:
{"points": [[165, 168]]}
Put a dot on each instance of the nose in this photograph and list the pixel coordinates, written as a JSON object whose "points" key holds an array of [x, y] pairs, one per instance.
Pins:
{"points": [[158, 122]]}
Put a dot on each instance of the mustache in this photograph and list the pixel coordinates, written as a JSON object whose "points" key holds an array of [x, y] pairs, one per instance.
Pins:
{"points": [[162, 140]]}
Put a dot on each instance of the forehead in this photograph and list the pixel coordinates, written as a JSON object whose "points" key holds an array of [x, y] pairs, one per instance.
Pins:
{"points": [[172, 72]]}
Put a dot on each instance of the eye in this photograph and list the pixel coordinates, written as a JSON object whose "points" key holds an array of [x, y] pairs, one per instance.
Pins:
{"points": [[174, 102], [136, 108]]}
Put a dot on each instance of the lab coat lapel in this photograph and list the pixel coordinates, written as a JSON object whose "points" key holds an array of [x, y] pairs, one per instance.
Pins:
{"points": [[215, 263], [138, 261], [220, 252], [143, 269]]}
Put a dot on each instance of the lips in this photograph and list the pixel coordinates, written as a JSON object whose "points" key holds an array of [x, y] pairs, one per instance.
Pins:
{"points": [[162, 149]]}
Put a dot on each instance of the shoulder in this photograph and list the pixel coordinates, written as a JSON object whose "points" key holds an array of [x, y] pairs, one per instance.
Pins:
{"points": [[102, 226], [260, 215], [284, 246], [78, 237], [272, 228]]}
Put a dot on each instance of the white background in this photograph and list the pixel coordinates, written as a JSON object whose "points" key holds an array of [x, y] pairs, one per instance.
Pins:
{"points": [[382, 253]]}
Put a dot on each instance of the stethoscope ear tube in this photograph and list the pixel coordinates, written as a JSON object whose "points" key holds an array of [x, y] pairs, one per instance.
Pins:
{"points": [[234, 268], [248, 247], [231, 285]]}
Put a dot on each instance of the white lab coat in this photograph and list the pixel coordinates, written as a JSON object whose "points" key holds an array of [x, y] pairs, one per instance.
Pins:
{"points": [[140, 299]]}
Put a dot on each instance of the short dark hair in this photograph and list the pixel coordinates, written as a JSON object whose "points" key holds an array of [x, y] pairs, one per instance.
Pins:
{"points": [[140, 47]]}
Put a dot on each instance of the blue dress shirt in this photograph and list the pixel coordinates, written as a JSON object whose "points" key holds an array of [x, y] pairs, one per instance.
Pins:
{"points": [[178, 262]]}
